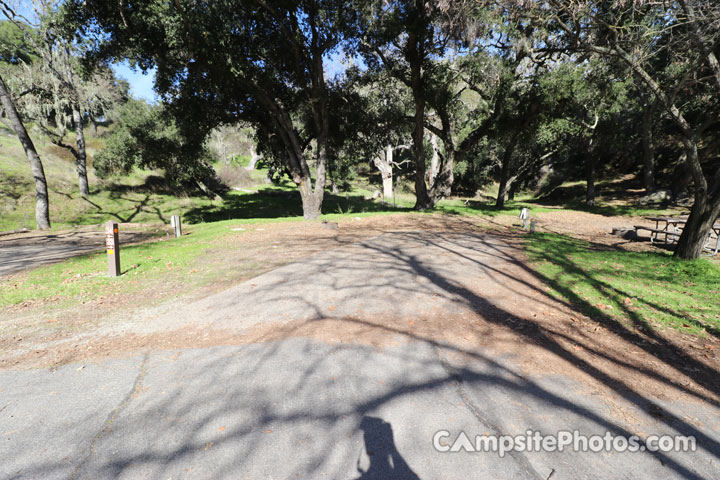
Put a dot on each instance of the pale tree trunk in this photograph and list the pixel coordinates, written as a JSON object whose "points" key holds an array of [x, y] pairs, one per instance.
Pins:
{"points": [[648, 149], [42, 204], [384, 163], [388, 193], [254, 157], [81, 156]]}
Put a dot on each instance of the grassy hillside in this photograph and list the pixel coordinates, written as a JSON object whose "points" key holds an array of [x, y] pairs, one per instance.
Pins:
{"points": [[141, 197], [135, 198]]}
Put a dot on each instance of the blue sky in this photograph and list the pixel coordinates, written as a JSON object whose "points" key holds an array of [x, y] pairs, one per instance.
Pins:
{"points": [[141, 85]]}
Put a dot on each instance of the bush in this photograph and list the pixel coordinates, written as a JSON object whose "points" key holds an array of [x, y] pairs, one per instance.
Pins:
{"points": [[235, 176]]}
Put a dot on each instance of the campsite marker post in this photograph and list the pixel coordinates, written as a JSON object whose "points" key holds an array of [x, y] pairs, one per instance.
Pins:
{"points": [[112, 245]]}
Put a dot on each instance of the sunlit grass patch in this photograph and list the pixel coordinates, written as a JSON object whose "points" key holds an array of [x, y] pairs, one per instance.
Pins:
{"points": [[645, 289]]}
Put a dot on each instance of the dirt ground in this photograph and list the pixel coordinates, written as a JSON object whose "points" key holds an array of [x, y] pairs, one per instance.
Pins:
{"points": [[498, 305]]}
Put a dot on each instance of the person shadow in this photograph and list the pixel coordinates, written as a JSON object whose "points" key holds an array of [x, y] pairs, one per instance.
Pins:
{"points": [[385, 461]]}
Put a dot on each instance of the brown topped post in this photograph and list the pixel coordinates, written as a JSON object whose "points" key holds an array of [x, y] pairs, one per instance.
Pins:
{"points": [[112, 244]]}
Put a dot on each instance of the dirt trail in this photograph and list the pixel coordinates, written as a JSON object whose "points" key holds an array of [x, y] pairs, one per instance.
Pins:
{"points": [[24, 251]]}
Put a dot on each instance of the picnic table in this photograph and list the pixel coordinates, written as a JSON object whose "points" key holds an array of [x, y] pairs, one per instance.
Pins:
{"points": [[671, 228]]}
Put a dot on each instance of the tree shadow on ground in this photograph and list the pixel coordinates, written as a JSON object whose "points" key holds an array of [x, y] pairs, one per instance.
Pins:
{"points": [[153, 184], [559, 250], [278, 203], [131, 213], [626, 190], [221, 390]]}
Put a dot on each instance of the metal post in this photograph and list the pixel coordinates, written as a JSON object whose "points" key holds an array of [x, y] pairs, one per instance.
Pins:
{"points": [[525, 217], [175, 222], [112, 244]]}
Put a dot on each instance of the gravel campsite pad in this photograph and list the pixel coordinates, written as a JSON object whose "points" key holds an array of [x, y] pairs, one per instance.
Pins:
{"points": [[402, 312]]}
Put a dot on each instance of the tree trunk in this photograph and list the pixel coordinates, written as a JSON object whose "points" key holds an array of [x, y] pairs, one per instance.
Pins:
{"points": [[81, 157], [590, 192], [387, 188], [42, 203], [590, 169], [311, 200], [705, 211], [442, 186], [254, 157], [294, 160], [415, 58], [648, 149], [512, 190], [435, 160], [384, 165], [502, 188], [695, 233], [505, 170], [443, 163]]}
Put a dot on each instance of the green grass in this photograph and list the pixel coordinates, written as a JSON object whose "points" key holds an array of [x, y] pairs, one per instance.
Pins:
{"points": [[649, 290], [84, 277], [474, 207]]}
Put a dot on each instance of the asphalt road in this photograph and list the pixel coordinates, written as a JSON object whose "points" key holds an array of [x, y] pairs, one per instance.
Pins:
{"points": [[26, 251], [312, 409], [303, 409]]}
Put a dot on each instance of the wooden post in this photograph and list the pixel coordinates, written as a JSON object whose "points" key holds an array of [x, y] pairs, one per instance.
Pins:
{"points": [[112, 244], [175, 222]]}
